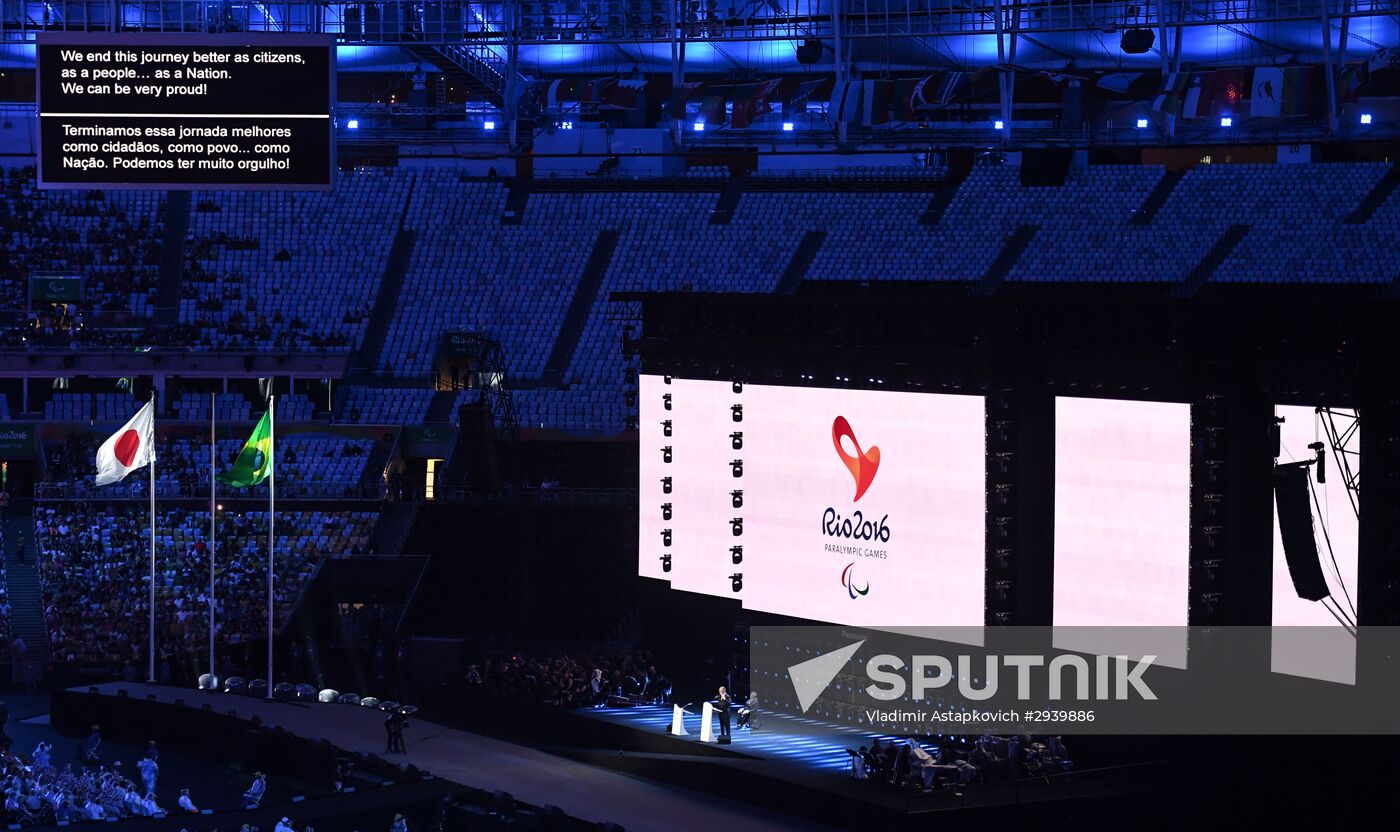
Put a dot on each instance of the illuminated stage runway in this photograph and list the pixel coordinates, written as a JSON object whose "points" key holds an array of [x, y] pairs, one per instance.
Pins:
{"points": [[778, 739], [806, 768]]}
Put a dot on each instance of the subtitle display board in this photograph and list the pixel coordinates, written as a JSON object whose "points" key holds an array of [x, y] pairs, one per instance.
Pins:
{"points": [[186, 111]]}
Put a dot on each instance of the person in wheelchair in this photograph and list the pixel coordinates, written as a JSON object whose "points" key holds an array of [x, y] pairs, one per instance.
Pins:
{"points": [[748, 714]]}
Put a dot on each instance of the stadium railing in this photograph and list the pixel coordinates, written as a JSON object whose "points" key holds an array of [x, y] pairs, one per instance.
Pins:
{"points": [[134, 490], [539, 496]]}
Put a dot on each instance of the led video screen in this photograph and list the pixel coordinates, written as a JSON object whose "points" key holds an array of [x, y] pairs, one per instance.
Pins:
{"points": [[855, 507], [684, 498], [1325, 649], [1122, 515]]}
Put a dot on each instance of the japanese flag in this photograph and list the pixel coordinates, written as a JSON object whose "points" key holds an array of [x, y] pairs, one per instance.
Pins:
{"points": [[130, 448]]}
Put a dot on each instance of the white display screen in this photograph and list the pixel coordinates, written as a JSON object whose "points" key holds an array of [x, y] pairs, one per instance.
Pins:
{"points": [[1122, 516], [859, 507], [1328, 653]]}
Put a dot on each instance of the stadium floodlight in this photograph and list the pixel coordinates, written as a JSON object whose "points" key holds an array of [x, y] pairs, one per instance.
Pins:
{"points": [[699, 126], [999, 124], [352, 124], [1142, 124], [489, 125], [1365, 118], [788, 126], [1226, 121]]}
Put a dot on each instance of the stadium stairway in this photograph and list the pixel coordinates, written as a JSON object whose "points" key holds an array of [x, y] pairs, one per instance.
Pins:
{"points": [[395, 522], [516, 201], [1376, 198], [801, 260], [23, 588], [459, 66], [728, 201], [562, 354], [1155, 200], [1011, 252], [172, 258], [1200, 275], [938, 205], [377, 331], [473, 460], [441, 407], [390, 285]]}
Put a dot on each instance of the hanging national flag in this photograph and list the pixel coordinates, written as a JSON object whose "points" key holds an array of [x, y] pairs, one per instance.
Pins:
{"points": [[1218, 93], [624, 93], [712, 107], [563, 92], [1380, 60], [130, 448], [940, 89], [1266, 94], [1192, 99], [875, 101], [550, 93], [1118, 81], [1351, 79], [583, 91], [1301, 96], [903, 105], [798, 102], [680, 96], [752, 101], [254, 462], [1172, 96], [845, 102]]}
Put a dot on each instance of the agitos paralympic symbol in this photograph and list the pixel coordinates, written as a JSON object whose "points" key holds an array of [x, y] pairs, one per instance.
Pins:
{"points": [[850, 584]]}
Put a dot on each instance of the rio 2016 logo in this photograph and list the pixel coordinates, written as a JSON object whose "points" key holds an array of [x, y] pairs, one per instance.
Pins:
{"points": [[863, 465], [848, 581]]}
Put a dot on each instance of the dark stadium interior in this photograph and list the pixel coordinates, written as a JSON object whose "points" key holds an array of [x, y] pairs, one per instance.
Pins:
{"points": [[415, 416]]}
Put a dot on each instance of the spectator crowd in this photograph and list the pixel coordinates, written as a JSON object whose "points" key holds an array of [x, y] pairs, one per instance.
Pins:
{"points": [[573, 681], [94, 567]]}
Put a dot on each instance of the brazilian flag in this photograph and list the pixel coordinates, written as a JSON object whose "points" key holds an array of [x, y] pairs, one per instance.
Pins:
{"points": [[254, 462]]}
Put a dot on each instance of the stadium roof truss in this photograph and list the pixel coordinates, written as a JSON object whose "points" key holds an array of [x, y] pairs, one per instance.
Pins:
{"points": [[558, 36]]}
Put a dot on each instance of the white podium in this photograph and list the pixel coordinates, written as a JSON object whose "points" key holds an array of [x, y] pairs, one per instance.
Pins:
{"points": [[707, 723], [677, 721]]}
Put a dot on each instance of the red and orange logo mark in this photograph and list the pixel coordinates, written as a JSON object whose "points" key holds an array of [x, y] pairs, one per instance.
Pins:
{"points": [[864, 464]]}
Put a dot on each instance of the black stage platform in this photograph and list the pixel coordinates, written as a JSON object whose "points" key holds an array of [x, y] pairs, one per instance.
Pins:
{"points": [[455, 758]]}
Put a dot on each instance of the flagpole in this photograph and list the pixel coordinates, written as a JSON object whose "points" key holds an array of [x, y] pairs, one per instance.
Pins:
{"points": [[213, 517], [151, 657], [271, 523]]}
